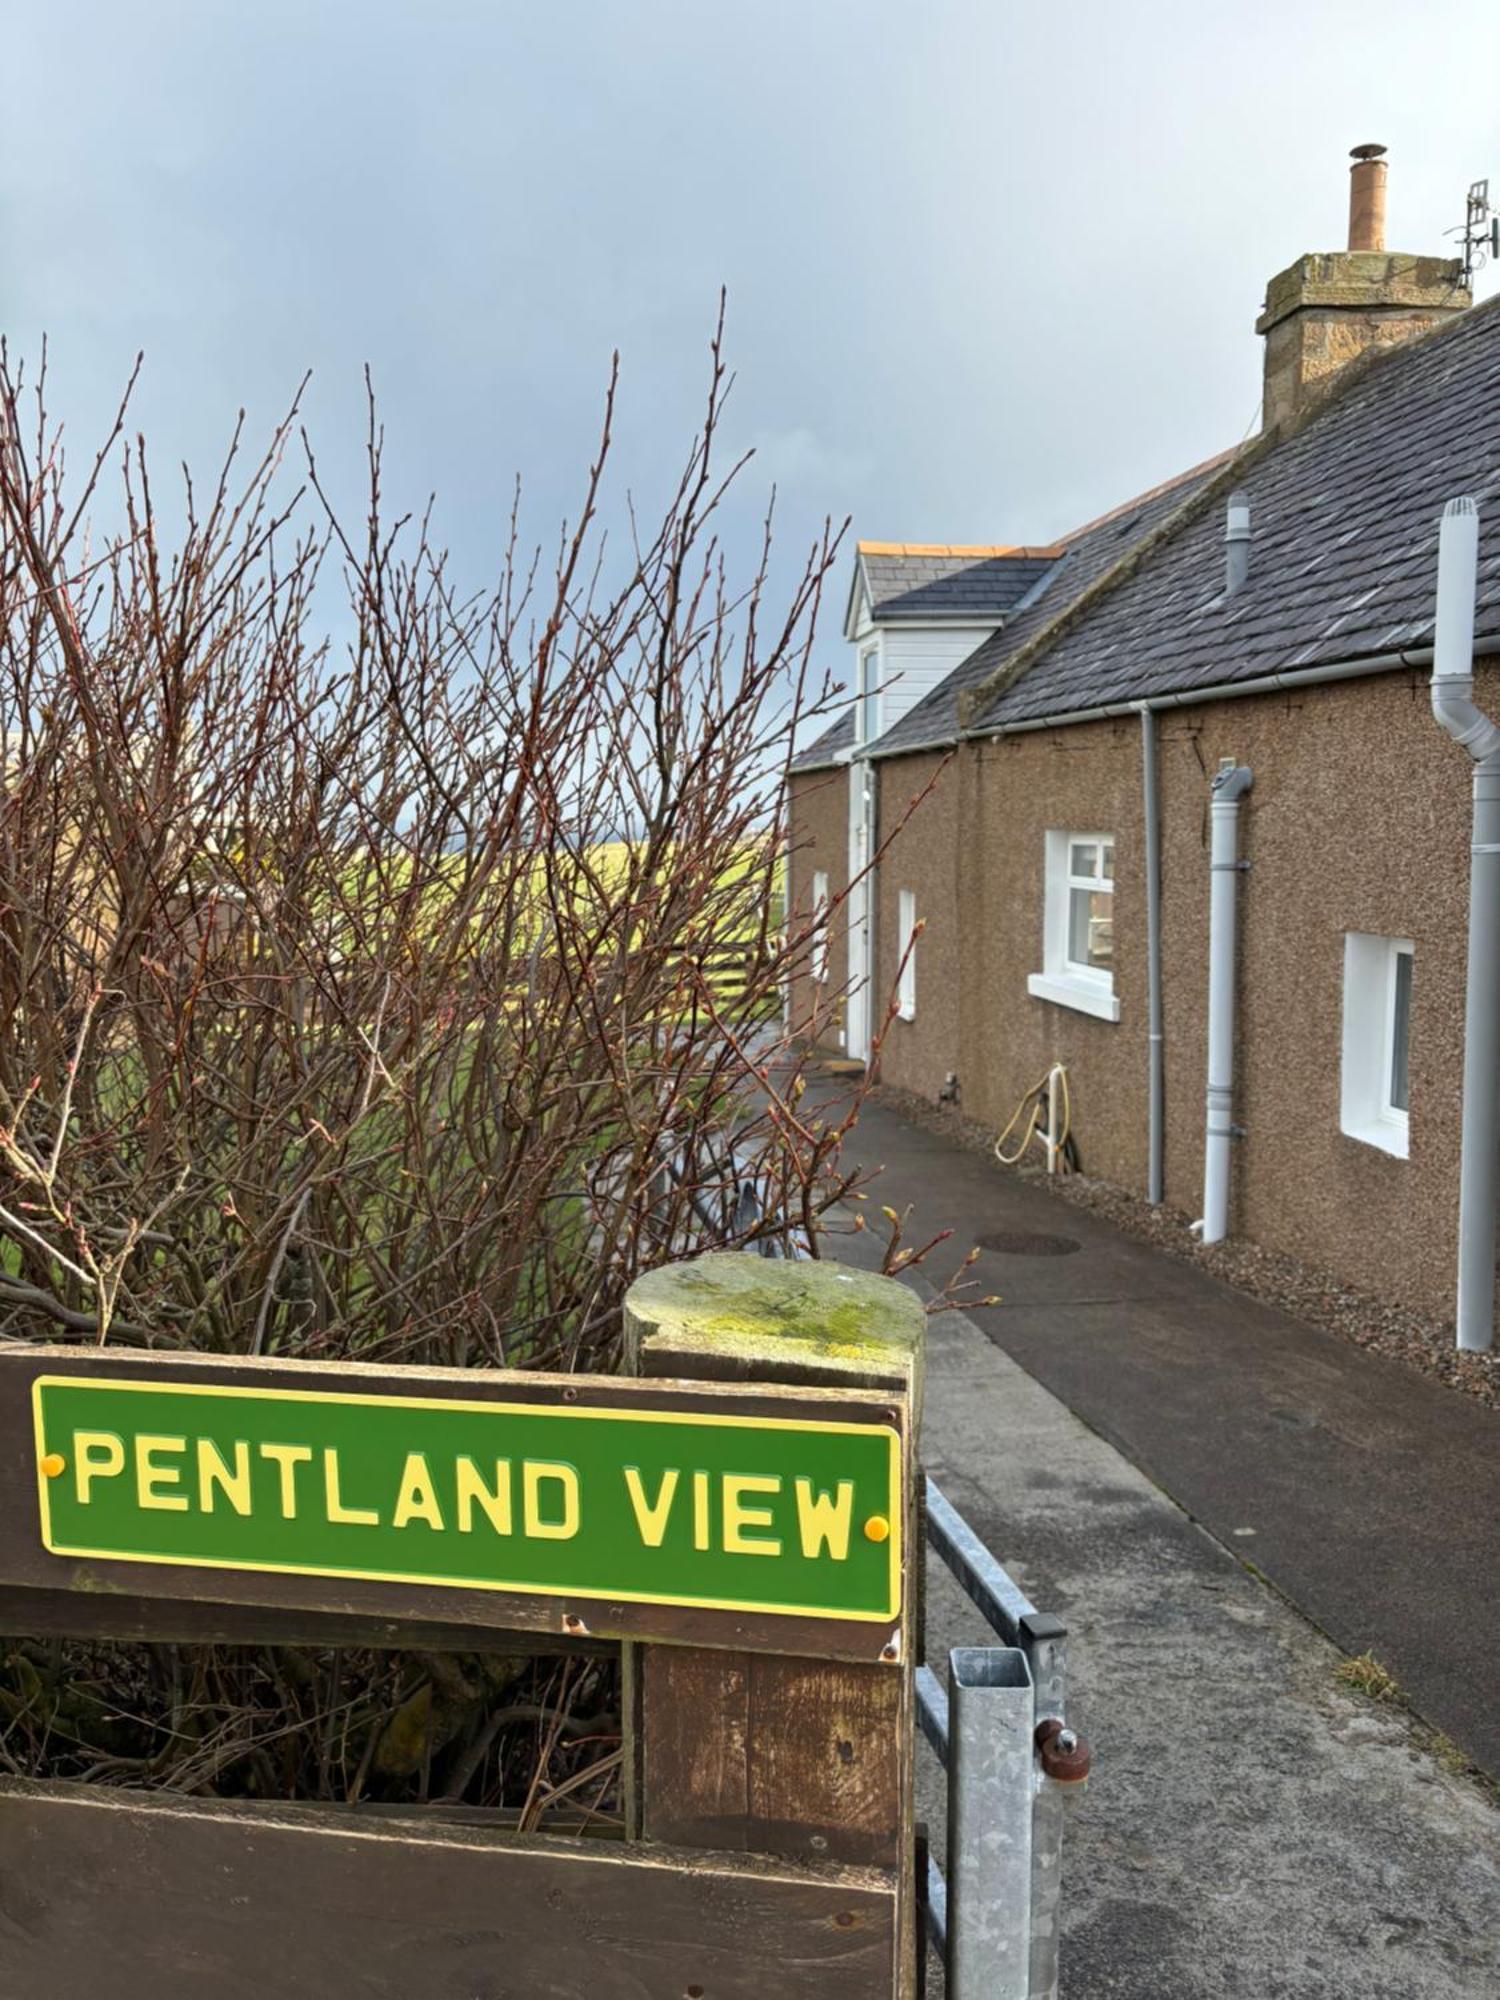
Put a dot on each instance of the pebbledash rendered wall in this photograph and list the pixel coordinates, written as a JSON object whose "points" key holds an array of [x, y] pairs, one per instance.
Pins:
{"points": [[919, 809], [919, 1054], [819, 840], [1358, 821], [979, 885]]}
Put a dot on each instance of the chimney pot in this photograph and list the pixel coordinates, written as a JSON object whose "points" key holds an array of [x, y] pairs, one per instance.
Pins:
{"points": [[1367, 198]]}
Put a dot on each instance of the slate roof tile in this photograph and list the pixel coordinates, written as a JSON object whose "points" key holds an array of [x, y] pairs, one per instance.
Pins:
{"points": [[1088, 554], [1343, 562], [824, 750], [907, 583], [1344, 517]]}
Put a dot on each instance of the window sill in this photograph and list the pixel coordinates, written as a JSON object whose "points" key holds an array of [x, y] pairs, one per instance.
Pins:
{"points": [[1388, 1135], [1086, 996], [906, 1013]]}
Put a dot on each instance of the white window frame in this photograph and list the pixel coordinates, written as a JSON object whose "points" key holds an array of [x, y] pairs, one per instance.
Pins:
{"points": [[1366, 1112], [906, 933], [867, 691], [820, 926], [1087, 988]]}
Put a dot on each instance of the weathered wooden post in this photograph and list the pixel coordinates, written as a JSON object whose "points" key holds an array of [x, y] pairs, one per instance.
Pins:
{"points": [[805, 1754]]}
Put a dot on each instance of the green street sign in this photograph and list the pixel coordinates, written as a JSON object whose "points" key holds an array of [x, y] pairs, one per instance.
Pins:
{"points": [[652, 1506]]}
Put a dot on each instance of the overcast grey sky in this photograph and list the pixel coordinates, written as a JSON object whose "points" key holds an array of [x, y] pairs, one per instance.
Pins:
{"points": [[992, 268]]}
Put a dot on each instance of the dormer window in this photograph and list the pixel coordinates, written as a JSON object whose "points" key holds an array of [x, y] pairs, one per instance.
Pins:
{"points": [[867, 696]]}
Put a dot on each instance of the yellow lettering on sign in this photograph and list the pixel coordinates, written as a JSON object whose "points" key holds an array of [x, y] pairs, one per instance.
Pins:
{"points": [[471, 1488], [417, 1500], [150, 1477], [565, 1477], [286, 1458], [96, 1455], [338, 1513], [212, 1472], [651, 1517], [738, 1517], [700, 1510], [822, 1519]]}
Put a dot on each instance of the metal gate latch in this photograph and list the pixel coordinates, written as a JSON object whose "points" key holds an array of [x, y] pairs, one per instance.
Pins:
{"points": [[1065, 1754]]}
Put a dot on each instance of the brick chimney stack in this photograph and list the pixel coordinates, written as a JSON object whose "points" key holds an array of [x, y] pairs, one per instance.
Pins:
{"points": [[1329, 307]]}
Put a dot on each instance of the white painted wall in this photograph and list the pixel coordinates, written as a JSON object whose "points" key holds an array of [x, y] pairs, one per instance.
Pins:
{"points": [[914, 658]]}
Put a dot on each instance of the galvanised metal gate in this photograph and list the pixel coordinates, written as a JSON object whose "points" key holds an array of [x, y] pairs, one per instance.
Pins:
{"points": [[1000, 1730]]}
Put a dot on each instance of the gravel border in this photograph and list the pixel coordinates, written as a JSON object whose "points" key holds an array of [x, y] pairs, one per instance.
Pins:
{"points": [[1298, 1289]]}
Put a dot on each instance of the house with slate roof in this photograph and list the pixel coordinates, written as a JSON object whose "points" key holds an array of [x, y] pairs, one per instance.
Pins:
{"points": [[916, 612], [1065, 764]]}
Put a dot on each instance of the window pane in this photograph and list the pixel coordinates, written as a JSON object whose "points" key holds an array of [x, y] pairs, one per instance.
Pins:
{"points": [[1091, 928], [1400, 1030], [1108, 852], [907, 919], [1078, 926], [1083, 859]]}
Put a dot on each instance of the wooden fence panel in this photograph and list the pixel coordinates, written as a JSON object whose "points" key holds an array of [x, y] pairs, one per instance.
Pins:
{"points": [[148, 1898], [773, 1756]]}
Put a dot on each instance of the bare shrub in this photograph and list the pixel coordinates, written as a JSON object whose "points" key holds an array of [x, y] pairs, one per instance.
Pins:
{"points": [[539, 1736], [396, 998], [394, 995]]}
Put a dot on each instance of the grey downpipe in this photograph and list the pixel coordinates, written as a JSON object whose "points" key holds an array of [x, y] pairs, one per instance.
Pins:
{"points": [[1231, 782], [1155, 1087], [1453, 706]]}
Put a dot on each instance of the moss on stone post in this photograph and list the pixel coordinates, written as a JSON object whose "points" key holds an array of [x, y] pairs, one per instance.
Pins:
{"points": [[730, 1317]]}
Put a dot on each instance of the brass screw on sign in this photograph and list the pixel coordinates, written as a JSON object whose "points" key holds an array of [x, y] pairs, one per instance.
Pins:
{"points": [[53, 1464], [877, 1529]]}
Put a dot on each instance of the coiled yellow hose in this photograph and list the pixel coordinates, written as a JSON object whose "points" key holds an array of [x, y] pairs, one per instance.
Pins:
{"points": [[1030, 1115]]}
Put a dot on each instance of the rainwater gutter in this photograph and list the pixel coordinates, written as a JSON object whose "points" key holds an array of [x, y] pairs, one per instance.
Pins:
{"points": [[1410, 658], [1455, 711], [1278, 683]]}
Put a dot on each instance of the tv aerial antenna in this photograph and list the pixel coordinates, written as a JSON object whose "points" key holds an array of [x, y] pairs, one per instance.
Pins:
{"points": [[1481, 230]]}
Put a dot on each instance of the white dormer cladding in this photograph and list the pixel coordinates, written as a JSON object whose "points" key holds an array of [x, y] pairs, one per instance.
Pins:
{"points": [[908, 659], [905, 641]]}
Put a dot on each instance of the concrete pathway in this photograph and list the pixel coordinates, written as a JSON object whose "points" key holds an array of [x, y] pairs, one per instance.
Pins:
{"points": [[1251, 1830], [1367, 1493]]}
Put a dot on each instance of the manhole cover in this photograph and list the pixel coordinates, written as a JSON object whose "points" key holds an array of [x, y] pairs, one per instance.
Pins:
{"points": [[1293, 1420], [1028, 1243]]}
